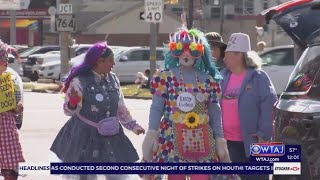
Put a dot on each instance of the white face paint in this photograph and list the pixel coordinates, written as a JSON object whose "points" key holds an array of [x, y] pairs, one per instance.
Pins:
{"points": [[186, 60]]}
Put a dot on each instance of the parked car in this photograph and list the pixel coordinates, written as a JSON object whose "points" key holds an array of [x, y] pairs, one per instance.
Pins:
{"points": [[278, 63], [38, 59], [51, 69], [20, 48], [27, 61], [133, 60], [81, 48], [297, 112]]}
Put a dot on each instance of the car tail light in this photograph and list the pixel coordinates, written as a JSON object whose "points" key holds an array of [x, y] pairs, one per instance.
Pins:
{"points": [[39, 61]]}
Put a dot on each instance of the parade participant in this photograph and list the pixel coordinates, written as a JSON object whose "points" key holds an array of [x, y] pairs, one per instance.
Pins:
{"points": [[141, 80], [248, 96], [96, 105], [185, 117], [218, 48], [261, 46], [11, 104]]}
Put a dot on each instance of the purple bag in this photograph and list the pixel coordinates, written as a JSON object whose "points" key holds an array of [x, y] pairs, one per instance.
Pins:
{"points": [[106, 127]]}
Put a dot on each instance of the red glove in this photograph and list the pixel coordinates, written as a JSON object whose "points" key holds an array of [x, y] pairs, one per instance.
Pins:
{"points": [[74, 98]]}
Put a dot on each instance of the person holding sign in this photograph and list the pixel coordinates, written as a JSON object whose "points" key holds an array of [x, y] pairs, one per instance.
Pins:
{"points": [[185, 116], [96, 105], [10, 104]]}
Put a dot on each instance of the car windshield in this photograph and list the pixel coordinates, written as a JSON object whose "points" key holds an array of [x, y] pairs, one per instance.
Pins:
{"points": [[305, 77], [29, 52], [117, 51], [22, 50], [280, 56]]}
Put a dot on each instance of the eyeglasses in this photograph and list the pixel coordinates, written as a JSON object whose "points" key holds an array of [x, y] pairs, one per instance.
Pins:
{"points": [[179, 49]]}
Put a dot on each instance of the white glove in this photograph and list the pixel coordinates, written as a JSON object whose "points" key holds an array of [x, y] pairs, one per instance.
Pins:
{"points": [[150, 144], [222, 150]]}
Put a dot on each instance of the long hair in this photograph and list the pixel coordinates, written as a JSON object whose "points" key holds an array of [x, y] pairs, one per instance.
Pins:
{"points": [[205, 63], [99, 49], [252, 60]]}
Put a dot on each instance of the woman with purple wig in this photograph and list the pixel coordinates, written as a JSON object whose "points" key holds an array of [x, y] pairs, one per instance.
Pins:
{"points": [[96, 105]]}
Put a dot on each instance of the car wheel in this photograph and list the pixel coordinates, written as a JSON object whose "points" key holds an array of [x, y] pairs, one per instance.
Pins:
{"points": [[34, 76]]}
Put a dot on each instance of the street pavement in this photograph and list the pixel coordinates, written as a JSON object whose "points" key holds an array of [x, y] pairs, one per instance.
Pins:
{"points": [[43, 118]]}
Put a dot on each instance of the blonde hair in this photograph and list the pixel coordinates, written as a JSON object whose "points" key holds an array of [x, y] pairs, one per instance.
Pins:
{"points": [[252, 60]]}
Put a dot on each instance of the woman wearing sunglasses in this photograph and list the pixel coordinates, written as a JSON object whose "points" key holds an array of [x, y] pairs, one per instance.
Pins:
{"points": [[185, 117], [10, 105]]}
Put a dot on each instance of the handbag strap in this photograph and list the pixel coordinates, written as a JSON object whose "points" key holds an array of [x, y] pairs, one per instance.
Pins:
{"points": [[87, 121]]}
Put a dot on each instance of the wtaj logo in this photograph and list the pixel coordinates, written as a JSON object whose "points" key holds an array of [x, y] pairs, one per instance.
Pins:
{"points": [[267, 149], [286, 168]]}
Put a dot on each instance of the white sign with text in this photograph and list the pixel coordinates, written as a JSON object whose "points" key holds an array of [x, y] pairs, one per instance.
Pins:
{"points": [[65, 23], [65, 9], [10, 5], [153, 11]]}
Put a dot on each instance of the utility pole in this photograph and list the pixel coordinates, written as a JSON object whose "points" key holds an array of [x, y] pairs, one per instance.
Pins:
{"points": [[221, 16], [153, 47], [190, 18], [40, 31], [13, 31]]}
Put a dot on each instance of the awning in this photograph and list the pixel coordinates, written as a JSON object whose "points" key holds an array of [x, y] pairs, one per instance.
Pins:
{"points": [[20, 23]]}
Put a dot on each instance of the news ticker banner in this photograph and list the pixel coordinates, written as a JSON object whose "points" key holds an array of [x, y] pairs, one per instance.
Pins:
{"points": [[292, 168], [275, 152]]}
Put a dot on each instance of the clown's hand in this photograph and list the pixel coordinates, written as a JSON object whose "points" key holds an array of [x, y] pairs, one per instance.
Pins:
{"points": [[222, 150], [150, 144]]}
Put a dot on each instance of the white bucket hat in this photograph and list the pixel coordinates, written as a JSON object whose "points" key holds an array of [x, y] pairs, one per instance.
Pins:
{"points": [[239, 42]]}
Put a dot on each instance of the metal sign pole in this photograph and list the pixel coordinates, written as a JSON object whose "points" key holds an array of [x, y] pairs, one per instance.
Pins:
{"points": [[64, 48], [13, 32], [153, 46], [153, 15]]}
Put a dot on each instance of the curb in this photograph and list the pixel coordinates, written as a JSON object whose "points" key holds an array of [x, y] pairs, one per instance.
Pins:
{"points": [[135, 97], [54, 91]]}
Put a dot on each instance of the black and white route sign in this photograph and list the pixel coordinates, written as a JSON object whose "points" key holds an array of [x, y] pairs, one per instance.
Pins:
{"points": [[153, 10], [65, 23]]}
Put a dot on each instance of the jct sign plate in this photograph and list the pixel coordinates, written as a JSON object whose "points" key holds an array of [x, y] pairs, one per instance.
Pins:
{"points": [[153, 10], [65, 22]]}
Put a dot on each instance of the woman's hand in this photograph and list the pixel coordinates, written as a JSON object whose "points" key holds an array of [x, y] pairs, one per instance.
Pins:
{"points": [[222, 150], [19, 108], [141, 131], [74, 98]]}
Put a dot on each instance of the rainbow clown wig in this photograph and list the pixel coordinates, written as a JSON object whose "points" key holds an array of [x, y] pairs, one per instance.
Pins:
{"points": [[195, 42]]}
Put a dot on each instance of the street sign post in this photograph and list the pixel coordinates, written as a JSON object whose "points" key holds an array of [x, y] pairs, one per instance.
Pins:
{"points": [[153, 14], [65, 23], [153, 10]]}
